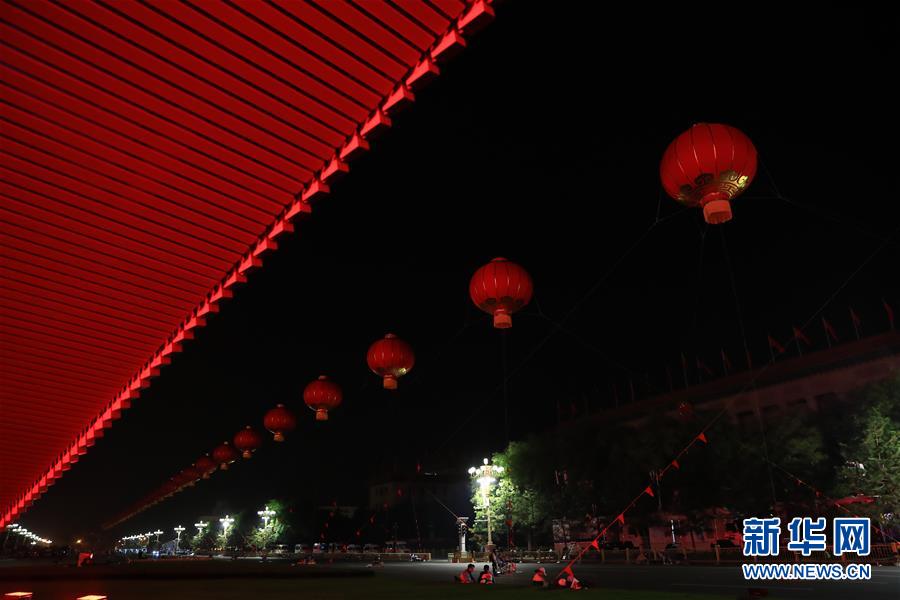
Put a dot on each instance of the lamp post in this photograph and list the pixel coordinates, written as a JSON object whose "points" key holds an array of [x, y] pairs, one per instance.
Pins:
{"points": [[178, 531], [266, 514], [484, 475], [200, 525], [226, 522], [157, 533]]}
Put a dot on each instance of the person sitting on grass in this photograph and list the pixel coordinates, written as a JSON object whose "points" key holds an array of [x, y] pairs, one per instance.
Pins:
{"points": [[486, 575], [568, 581], [467, 576], [539, 579]]}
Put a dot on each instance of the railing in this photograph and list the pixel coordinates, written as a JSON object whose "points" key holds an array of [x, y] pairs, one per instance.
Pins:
{"points": [[361, 556]]}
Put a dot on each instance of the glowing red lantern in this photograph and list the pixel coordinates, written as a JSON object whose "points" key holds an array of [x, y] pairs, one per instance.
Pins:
{"points": [[390, 357], [322, 395], [280, 420], [501, 288], [247, 440], [205, 465], [708, 166], [224, 455]]}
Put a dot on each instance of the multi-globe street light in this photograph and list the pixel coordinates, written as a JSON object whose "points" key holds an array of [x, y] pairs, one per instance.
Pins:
{"points": [[484, 475], [178, 531], [266, 514], [200, 525], [226, 522]]}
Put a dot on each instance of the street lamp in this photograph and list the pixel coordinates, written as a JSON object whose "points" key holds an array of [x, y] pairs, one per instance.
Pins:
{"points": [[157, 533], [178, 531], [484, 475], [200, 527], [226, 524], [266, 515]]}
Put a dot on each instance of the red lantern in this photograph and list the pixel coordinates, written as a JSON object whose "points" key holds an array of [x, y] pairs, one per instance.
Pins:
{"points": [[280, 420], [322, 395], [224, 455], [501, 288], [247, 440], [708, 166], [390, 357], [205, 465]]}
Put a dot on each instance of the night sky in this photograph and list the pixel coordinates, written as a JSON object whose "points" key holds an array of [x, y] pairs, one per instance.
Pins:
{"points": [[540, 143]]}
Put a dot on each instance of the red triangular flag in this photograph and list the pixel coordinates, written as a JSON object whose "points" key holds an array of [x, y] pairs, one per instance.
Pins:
{"points": [[774, 345], [890, 313], [621, 517], [649, 491], [726, 364], [799, 335], [675, 464], [702, 438], [595, 545], [568, 570]]}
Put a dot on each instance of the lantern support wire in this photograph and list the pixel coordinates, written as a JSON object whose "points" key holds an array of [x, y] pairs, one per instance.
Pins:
{"points": [[703, 230], [756, 410], [505, 382], [818, 212]]}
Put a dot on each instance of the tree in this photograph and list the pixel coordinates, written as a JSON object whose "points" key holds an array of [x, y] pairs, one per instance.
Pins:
{"points": [[227, 535], [204, 539], [870, 450], [264, 536], [512, 498]]}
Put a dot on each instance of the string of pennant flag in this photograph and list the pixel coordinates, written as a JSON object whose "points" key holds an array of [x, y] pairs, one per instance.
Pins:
{"points": [[675, 463]]}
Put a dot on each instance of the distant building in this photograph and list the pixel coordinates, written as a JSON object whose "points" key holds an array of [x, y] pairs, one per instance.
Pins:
{"points": [[815, 382]]}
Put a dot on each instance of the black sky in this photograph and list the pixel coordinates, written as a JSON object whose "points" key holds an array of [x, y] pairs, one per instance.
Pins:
{"points": [[541, 143]]}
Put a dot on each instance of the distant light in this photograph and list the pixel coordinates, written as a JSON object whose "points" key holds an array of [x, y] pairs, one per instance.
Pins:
{"points": [[485, 461], [78, 541], [17, 595]]}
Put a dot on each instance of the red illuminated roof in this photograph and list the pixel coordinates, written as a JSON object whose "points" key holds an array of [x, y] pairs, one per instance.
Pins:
{"points": [[152, 154]]}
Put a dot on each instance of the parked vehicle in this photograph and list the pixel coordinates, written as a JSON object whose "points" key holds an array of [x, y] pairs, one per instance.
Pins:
{"points": [[371, 548], [397, 546], [302, 549]]}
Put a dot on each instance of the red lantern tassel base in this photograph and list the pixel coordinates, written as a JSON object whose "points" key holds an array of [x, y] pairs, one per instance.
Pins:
{"points": [[390, 382], [321, 415], [502, 320], [248, 454], [717, 209], [279, 437], [224, 466]]}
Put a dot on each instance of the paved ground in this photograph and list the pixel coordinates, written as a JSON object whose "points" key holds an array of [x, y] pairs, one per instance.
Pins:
{"points": [[226, 580], [726, 581]]}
